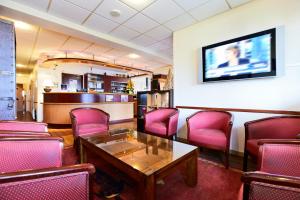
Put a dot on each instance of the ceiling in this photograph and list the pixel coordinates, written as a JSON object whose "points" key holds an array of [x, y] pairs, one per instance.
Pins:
{"points": [[148, 24]]}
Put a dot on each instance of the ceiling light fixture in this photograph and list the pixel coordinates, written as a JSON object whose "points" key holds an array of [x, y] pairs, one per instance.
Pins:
{"points": [[22, 25], [20, 65], [115, 13], [133, 56]]}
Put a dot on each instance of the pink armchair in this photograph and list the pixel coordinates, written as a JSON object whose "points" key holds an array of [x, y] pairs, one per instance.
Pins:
{"points": [[211, 129], [282, 127], [279, 173], [162, 122], [23, 126], [88, 121], [31, 169]]}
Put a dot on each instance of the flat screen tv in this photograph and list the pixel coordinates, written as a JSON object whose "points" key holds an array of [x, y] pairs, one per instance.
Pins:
{"points": [[249, 56]]}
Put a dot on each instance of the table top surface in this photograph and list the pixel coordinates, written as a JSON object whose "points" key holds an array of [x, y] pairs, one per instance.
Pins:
{"points": [[143, 152]]}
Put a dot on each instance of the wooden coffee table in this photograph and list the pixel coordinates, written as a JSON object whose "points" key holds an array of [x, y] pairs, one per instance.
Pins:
{"points": [[139, 159]]}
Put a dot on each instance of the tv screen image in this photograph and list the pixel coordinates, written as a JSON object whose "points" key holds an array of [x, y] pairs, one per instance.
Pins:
{"points": [[245, 57]]}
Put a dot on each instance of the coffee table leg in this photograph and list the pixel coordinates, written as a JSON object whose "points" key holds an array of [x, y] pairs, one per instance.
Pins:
{"points": [[82, 154], [191, 170], [147, 190]]}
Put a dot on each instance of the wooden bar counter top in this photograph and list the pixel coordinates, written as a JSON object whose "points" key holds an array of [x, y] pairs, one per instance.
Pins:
{"points": [[57, 105]]}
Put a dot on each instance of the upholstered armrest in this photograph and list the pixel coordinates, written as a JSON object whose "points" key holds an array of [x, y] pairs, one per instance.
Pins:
{"points": [[192, 121], [172, 123], [150, 117], [275, 184], [23, 133], [59, 183], [278, 141], [23, 126], [275, 179]]}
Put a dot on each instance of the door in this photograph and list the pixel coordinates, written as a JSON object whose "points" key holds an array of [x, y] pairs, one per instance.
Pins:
{"points": [[7, 71], [20, 98]]}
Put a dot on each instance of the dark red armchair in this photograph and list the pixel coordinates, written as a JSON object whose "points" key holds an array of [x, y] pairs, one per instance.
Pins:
{"points": [[23, 126], [162, 122], [31, 168], [279, 172], [282, 127], [89, 121], [210, 129]]}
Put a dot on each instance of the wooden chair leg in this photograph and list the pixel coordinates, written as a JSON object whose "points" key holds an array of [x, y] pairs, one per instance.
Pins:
{"points": [[226, 159], [245, 162]]}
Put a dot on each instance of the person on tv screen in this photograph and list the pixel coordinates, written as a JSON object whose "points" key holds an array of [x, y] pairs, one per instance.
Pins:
{"points": [[233, 57]]}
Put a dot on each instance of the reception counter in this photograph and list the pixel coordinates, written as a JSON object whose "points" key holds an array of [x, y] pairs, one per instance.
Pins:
{"points": [[57, 105]]}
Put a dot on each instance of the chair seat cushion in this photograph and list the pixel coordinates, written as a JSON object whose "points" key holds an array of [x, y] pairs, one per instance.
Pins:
{"points": [[211, 138], [85, 129], [157, 128], [252, 147]]}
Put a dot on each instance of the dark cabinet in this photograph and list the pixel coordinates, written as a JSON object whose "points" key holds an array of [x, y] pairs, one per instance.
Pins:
{"points": [[7, 71], [105, 83], [149, 100]]}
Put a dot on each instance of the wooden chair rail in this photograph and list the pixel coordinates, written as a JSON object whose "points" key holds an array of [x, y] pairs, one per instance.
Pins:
{"points": [[283, 112]]}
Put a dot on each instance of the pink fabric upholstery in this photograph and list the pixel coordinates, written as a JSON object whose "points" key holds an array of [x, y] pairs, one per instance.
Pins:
{"points": [[29, 154], [91, 128], [162, 122], [210, 129], [283, 159], [23, 126], [88, 121], [264, 191], [215, 138], [252, 146], [62, 187], [282, 127]]}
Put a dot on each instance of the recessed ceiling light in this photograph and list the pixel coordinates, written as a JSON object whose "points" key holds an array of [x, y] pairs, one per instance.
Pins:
{"points": [[115, 13], [133, 55], [22, 25], [20, 65]]}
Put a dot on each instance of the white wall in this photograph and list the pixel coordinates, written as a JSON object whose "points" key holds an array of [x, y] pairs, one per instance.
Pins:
{"points": [[279, 93]]}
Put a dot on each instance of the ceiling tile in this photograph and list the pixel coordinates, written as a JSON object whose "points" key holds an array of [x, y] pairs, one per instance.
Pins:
{"points": [[124, 33], [97, 49], [68, 11], [144, 40], [189, 4], [138, 5], [159, 33], [141, 23], [180, 22], [48, 41], [109, 5], [235, 3], [38, 4], [99, 23], [168, 41], [116, 52], [89, 5], [159, 46], [209, 9], [75, 44], [162, 11]]}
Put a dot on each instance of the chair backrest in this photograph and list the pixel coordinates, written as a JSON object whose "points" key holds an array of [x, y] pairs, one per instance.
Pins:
{"points": [[283, 159], [72, 182], [265, 191], [88, 115], [23, 153], [283, 127], [210, 119], [23, 126], [161, 114]]}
